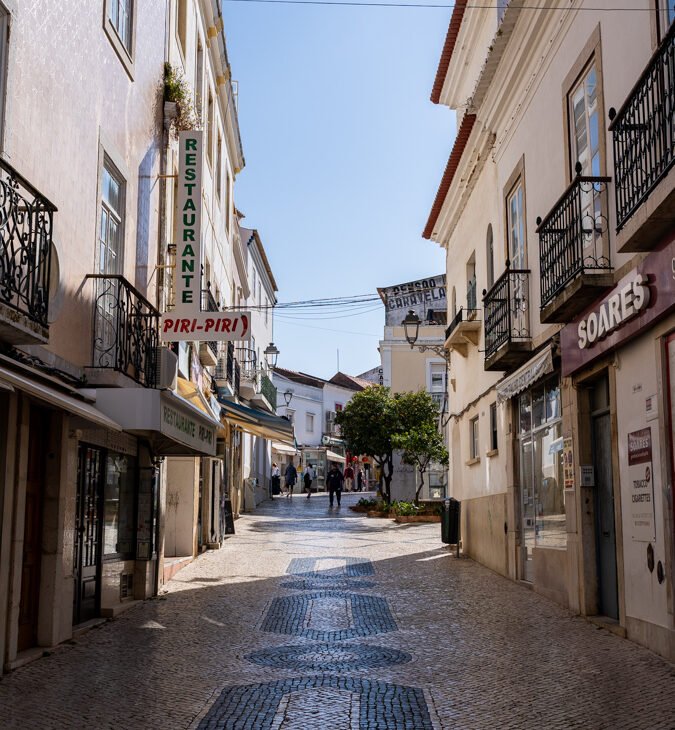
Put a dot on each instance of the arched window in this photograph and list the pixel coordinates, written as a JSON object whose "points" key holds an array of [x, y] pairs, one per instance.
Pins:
{"points": [[490, 257]]}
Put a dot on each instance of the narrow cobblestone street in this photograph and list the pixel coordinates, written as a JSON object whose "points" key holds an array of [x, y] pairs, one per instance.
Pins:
{"points": [[318, 618]]}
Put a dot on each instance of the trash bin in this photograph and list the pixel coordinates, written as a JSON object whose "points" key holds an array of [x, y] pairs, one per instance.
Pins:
{"points": [[450, 522]]}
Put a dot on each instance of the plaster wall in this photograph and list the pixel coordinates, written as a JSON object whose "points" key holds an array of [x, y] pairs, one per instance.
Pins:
{"points": [[182, 500], [68, 98], [482, 531]]}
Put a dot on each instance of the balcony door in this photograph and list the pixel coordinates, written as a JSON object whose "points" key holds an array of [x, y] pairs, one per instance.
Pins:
{"points": [[585, 146], [110, 252], [518, 287]]}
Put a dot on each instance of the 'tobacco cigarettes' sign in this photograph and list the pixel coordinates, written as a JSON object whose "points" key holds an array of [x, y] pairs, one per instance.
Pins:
{"points": [[187, 321]]}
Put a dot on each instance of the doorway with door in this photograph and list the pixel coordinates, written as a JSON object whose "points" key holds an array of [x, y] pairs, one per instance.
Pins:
{"points": [[29, 605], [605, 528]]}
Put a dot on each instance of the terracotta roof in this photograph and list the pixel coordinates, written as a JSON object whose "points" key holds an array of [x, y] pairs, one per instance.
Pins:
{"points": [[450, 170], [349, 381], [448, 49], [302, 378]]}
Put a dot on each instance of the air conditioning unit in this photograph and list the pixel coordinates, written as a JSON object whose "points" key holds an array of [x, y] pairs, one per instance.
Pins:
{"points": [[167, 368]]}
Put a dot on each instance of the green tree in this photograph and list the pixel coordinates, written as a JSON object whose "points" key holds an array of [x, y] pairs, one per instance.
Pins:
{"points": [[373, 420], [422, 446], [367, 424]]}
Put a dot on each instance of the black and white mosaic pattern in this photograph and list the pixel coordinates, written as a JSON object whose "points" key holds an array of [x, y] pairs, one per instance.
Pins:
{"points": [[329, 657], [347, 567], [374, 705], [343, 615], [337, 584]]}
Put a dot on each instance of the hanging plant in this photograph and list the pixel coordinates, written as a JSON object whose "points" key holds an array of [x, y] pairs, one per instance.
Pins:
{"points": [[178, 101]]}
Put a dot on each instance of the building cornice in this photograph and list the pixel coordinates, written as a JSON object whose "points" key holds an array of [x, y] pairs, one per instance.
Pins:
{"points": [[448, 49], [450, 169]]}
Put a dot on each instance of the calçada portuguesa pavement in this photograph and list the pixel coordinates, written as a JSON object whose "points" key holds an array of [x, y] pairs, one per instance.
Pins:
{"points": [[312, 618]]}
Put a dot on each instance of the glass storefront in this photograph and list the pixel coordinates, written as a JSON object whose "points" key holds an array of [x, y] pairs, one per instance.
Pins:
{"points": [[541, 470], [119, 501]]}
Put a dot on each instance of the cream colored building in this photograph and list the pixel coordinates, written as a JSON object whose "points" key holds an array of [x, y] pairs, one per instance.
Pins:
{"points": [[113, 452], [410, 369], [561, 212]]}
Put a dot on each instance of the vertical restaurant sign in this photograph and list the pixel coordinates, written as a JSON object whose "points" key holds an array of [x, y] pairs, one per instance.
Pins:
{"points": [[641, 485], [188, 245], [568, 463], [187, 321]]}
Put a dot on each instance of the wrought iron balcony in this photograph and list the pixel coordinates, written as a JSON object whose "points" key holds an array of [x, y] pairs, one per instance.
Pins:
{"points": [[464, 330], [644, 150], [507, 320], [224, 373], [574, 249], [269, 391], [26, 224], [126, 330]]}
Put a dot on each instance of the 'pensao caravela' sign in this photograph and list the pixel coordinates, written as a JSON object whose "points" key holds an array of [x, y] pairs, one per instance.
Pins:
{"points": [[187, 321]]}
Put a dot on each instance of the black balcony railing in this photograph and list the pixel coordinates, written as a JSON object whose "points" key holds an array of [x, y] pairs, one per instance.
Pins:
{"points": [[644, 132], [26, 220], [247, 360], [573, 236], [463, 315], [506, 310], [268, 389], [237, 377], [126, 329], [209, 304]]}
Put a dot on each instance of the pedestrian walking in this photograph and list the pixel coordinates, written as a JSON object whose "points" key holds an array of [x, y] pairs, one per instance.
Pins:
{"points": [[291, 477], [276, 480], [359, 480], [334, 483], [309, 478], [349, 478]]}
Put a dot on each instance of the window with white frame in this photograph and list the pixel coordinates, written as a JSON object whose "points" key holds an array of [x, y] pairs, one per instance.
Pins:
{"points": [[309, 422], [290, 414], [473, 438], [218, 171], [209, 130], [437, 380], [585, 123], [199, 79], [111, 225], [120, 15], [515, 213], [4, 38], [181, 25]]}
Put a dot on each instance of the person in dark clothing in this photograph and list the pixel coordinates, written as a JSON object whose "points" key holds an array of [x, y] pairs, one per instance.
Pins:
{"points": [[291, 477], [334, 483]]}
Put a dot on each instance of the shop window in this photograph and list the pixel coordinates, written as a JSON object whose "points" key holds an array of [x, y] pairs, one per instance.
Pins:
{"points": [[541, 480], [474, 439], [493, 427], [119, 506]]}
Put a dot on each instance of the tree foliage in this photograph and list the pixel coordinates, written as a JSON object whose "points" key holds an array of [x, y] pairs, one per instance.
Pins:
{"points": [[374, 422], [422, 446]]}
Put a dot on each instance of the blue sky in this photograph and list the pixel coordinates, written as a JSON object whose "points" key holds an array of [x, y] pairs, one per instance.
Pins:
{"points": [[344, 153]]}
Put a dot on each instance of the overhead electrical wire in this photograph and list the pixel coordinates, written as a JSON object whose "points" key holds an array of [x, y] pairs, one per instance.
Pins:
{"points": [[428, 6]]}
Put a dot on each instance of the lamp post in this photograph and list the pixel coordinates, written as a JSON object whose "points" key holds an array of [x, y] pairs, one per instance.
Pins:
{"points": [[271, 355], [288, 397], [411, 328]]}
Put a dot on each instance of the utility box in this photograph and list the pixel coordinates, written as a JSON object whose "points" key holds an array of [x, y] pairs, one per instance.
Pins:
{"points": [[450, 522]]}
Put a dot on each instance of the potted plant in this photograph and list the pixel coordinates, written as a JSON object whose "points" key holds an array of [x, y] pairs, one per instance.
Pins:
{"points": [[179, 109]]}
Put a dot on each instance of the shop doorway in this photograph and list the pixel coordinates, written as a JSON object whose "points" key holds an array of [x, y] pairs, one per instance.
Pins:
{"points": [[87, 558], [605, 534], [32, 537]]}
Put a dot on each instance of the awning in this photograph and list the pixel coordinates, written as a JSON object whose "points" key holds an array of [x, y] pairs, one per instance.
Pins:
{"points": [[259, 423], [527, 375], [190, 392], [172, 425], [10, 380], [283, 448], [333, 456]]}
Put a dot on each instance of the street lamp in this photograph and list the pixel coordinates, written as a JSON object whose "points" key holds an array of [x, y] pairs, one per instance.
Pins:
{"points": [[411, 328], [288, 397], [271, 354]]}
